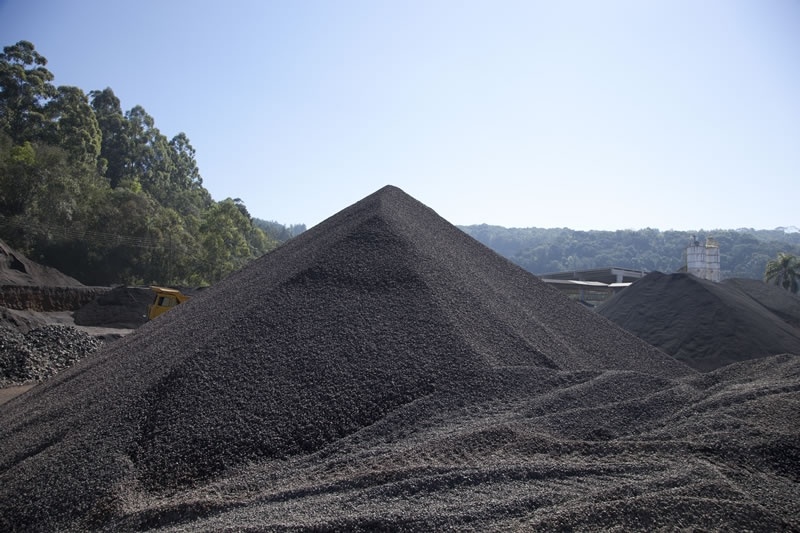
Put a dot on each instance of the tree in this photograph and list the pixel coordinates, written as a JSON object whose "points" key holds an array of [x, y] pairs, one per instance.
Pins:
{"points": [[223, 237], [25, 89], [17, 167], [229, 239], [784, 271], [102, 194], [74, 127], [115, 146]]}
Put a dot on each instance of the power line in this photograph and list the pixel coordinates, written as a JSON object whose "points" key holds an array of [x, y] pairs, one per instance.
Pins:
{"points": [[65, 232]]}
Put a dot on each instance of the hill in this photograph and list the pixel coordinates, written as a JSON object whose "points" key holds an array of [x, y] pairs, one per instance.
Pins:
{"points": [[744, 252]]}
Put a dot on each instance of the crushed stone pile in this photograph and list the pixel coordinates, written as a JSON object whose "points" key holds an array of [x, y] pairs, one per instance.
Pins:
{"points": [[779, 301], [121, 307], [384, 371], [41, 352], [21, 321], [708, 325], [17, 269], [28, 286]]}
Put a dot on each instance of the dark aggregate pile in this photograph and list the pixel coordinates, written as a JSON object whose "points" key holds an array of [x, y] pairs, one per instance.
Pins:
{"points": [[41, 352], [121, 307], [17, 269], [21, 321], [779, 301], [384, 371], [708, 325]]}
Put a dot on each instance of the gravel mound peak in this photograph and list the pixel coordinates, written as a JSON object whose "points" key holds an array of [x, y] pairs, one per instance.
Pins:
{"points": [[383, 370]]}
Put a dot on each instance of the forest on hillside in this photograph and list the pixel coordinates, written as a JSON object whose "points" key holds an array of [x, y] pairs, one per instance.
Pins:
{"points": [[744, 253], [103, 195]]}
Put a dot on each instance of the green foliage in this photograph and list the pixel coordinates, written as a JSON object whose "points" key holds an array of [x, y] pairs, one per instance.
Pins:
{"points": [[229, 239], [74, 127], [114, 142], [784, 271], [277, 231], [102, 194], [24, 90], [743, 252]]}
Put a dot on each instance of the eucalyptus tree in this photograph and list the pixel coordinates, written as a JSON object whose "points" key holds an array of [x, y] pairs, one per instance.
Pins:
{"points": [[115, 150], [74, 127], [187, 194], [25, 90]]}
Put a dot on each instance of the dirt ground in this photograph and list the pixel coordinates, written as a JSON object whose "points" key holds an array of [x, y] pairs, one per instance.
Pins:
{"points": [[66, 318]]}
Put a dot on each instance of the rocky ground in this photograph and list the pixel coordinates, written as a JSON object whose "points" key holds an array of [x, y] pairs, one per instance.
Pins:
{"points": [[384, 371]]}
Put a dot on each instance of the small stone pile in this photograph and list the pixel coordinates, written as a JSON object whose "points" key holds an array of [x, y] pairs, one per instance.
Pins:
{"points": [[41, 353]]}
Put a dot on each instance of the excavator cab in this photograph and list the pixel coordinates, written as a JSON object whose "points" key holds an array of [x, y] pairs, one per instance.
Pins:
{"points": [[165, 299]]}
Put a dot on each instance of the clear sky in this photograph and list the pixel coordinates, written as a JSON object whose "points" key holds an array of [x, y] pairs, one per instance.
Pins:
{"points": [[675, 114]]}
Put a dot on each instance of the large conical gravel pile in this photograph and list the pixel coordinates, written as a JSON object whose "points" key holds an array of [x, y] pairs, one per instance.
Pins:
{"points": [[708, 325], [385, 371]]}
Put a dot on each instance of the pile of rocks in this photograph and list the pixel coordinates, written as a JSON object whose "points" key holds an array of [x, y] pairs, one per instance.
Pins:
{"points": [[708, 325], [384, 371], [41, 353]]}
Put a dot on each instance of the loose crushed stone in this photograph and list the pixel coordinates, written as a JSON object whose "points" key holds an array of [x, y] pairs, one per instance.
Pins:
{"points": [[41, 352], [708, 325], [384, 371], [121, 307], [16, 269]]}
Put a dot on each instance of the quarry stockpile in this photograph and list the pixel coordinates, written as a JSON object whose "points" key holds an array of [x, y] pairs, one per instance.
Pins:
{"points": [[27, 285], [16, 269], [705, 324], [120, 307], [383, 370], [41, 352]]}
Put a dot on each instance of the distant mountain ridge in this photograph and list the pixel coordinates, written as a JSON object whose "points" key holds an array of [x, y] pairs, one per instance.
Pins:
{"points": [[744, 252]]}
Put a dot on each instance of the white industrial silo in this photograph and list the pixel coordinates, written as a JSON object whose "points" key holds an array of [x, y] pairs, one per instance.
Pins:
{"points": [[702, 260]]}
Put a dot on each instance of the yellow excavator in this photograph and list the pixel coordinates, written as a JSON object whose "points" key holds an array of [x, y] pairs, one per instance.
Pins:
{"points": [[164, 300]]}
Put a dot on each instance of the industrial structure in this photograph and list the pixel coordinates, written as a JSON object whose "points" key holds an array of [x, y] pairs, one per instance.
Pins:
{"points": [[594, 286], [702, 260]]}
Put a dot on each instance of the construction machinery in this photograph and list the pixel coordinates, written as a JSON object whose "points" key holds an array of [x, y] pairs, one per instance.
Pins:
{"points": [[165, 299]]}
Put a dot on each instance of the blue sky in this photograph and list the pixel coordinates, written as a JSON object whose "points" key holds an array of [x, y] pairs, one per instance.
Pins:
{"points": [[581, 114]]}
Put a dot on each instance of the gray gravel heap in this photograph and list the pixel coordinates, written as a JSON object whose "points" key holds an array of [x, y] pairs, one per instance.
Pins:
{"points": [[41, 352], [383, 370], [16, 269], [121, 307], [708, 325]]}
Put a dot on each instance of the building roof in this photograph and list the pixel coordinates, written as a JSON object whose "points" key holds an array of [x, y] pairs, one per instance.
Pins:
{"points": [[606, 275]]}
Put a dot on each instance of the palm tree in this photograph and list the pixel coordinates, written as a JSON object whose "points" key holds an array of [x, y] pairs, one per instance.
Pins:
{"points": [[784, 272]]}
